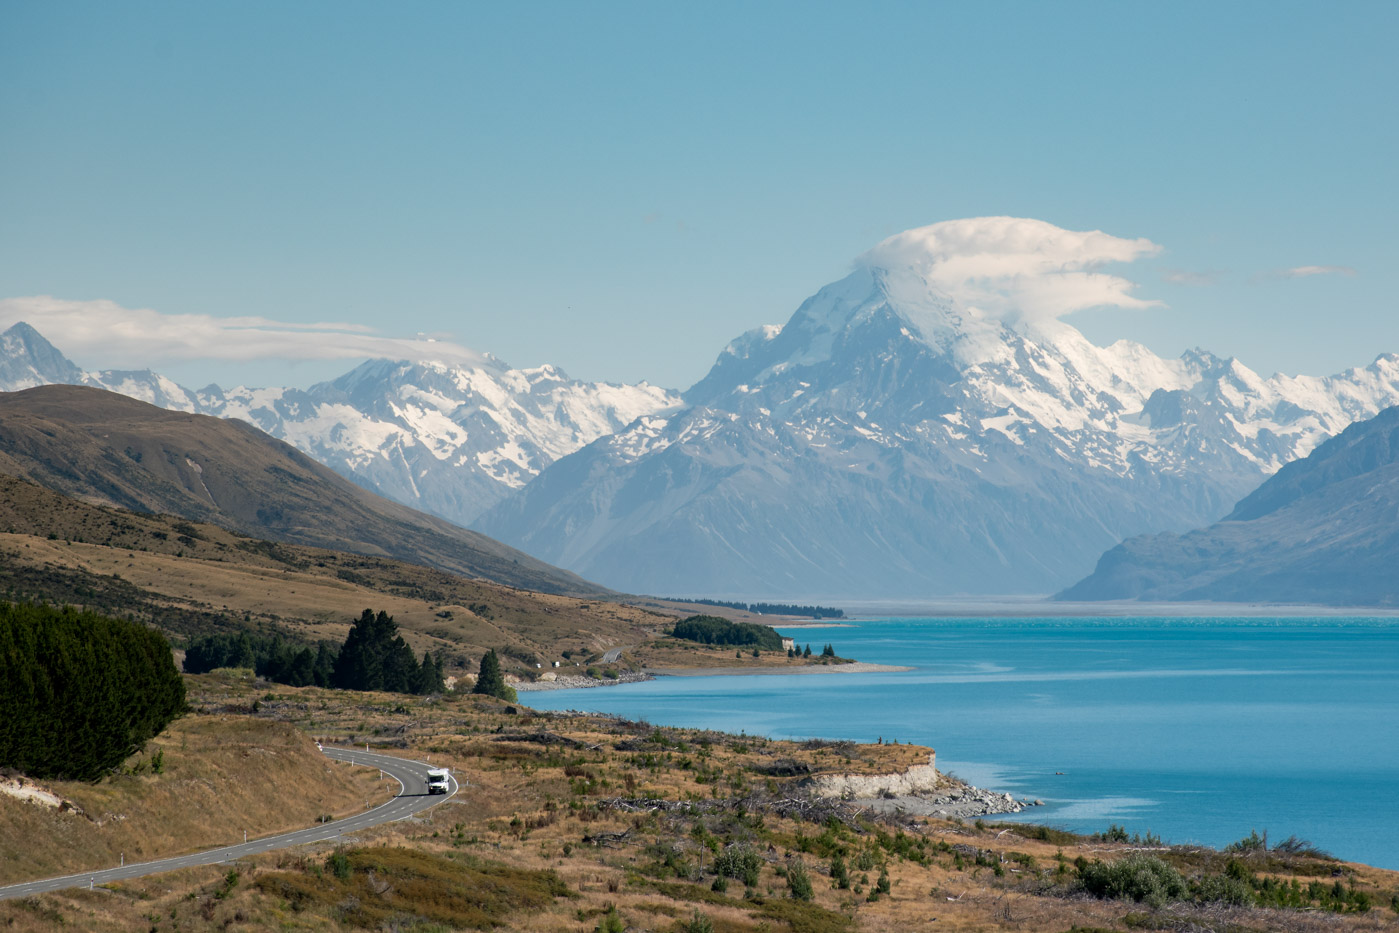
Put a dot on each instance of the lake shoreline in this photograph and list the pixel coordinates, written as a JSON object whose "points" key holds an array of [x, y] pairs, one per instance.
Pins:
{"points": [[1160, 726], [583, 682]]}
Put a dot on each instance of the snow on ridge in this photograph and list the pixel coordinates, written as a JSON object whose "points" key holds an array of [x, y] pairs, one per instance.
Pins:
{"points": [[447, 437]]}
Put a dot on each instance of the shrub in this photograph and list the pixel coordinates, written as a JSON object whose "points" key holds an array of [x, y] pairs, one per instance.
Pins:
{"points": [[1250, 843], [840, 876], [338, 864], [611, 922], [799, 881], [739, 861], [1137, 877], [1220, 889], [1114, 833], [699, 923]]}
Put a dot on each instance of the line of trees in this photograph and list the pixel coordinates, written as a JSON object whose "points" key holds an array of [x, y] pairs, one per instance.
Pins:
{"points": [[79, 692], [374, 656], [268, 655], [712, 630], [773, 609]]}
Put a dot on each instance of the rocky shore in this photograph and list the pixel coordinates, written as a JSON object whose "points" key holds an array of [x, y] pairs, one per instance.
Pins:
{"points": [[955, 803], [576, 681]]}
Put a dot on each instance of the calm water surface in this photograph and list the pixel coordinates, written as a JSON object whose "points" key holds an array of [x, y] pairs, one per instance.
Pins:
{"points": [[1196, 730]]}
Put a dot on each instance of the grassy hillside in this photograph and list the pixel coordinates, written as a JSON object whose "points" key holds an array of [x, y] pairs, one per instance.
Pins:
{"points": [[220, 773], [190, 578], [567, 821], [109, 449]]}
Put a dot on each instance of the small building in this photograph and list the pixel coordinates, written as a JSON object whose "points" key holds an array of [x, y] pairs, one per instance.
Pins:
{"points": [[789, 644]]}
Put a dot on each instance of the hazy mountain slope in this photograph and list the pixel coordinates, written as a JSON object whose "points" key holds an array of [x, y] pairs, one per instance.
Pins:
{"points": [[449, 439], [189, 578], [1323, 530], [890, 442], [104, 447]]}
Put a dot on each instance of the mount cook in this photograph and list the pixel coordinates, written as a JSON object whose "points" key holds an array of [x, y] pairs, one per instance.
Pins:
{"points": [[896, 440]]}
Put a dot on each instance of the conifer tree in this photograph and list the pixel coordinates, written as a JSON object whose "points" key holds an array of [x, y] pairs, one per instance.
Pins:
{"points": [[79, 691], [429, 677], [490, 680]]}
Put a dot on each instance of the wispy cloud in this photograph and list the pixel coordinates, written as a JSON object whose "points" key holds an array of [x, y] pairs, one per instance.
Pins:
{"points": [[1188, 277], [1014, 267], [1302, 272], [106, 334]]}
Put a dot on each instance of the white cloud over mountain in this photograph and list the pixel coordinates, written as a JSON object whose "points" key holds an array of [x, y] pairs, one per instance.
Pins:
{"points": [[139, 337], [1015, 267]]}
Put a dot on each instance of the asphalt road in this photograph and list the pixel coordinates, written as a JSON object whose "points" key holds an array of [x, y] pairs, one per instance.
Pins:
{"points": [[412, 798], [612, 656]]}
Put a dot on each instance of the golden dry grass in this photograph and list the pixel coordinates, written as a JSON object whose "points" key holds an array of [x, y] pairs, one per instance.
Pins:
{"points": [[537, 793], [222, 774]]}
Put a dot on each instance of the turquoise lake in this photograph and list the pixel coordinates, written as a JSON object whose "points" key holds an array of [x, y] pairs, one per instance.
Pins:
{"points": [[1197, 730]]}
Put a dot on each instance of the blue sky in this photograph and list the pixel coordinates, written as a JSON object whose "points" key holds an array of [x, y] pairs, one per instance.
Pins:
{"points": [[620, 189]]}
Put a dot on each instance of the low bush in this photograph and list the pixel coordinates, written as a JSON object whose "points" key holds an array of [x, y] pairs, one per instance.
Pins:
{"points": [[1137, 877]]}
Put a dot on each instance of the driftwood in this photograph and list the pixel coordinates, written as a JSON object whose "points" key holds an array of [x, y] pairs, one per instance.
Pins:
{"points": [[608, 840], [782, 767], [539, 738]]}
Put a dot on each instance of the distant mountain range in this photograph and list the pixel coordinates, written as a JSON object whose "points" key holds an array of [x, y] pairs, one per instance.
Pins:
{"points": [[449, 439], [888, 442], [108, 449], [1323, 530]]}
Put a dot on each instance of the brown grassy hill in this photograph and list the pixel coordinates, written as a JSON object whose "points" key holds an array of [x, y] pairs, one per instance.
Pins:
{"points": [[110, 449], [190, 578]]}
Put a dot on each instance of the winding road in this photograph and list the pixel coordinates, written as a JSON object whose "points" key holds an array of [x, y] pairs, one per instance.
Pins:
{"points": [[412, 798]]}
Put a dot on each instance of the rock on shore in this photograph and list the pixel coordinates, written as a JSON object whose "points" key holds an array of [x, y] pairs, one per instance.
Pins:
{"points": [[917, 791], [956, 803], [574, 681]]}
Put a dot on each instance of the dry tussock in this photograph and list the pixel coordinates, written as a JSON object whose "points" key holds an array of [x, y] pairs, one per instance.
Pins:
{"points": [[539, 837], [219, 776]]}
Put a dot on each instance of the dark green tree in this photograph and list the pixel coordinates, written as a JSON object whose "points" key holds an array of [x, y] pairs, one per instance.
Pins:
{"points": [[490, 680], [375, 657], [79, 691], [428, 679]]}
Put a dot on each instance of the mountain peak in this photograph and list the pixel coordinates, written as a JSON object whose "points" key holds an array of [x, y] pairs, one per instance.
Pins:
{"points": [[27, 359]]}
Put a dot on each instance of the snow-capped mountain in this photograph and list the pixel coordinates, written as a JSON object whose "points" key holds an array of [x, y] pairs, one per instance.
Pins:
{"points": [[448, 439], [892, 440]]}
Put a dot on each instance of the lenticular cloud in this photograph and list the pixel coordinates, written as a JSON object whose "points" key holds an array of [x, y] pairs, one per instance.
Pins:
{"points": [[1014, 267], [137, 337]]}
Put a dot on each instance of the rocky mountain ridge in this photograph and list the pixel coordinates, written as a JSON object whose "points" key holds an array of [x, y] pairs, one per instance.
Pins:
{"points": [[1323, 530], [450, 439]]}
